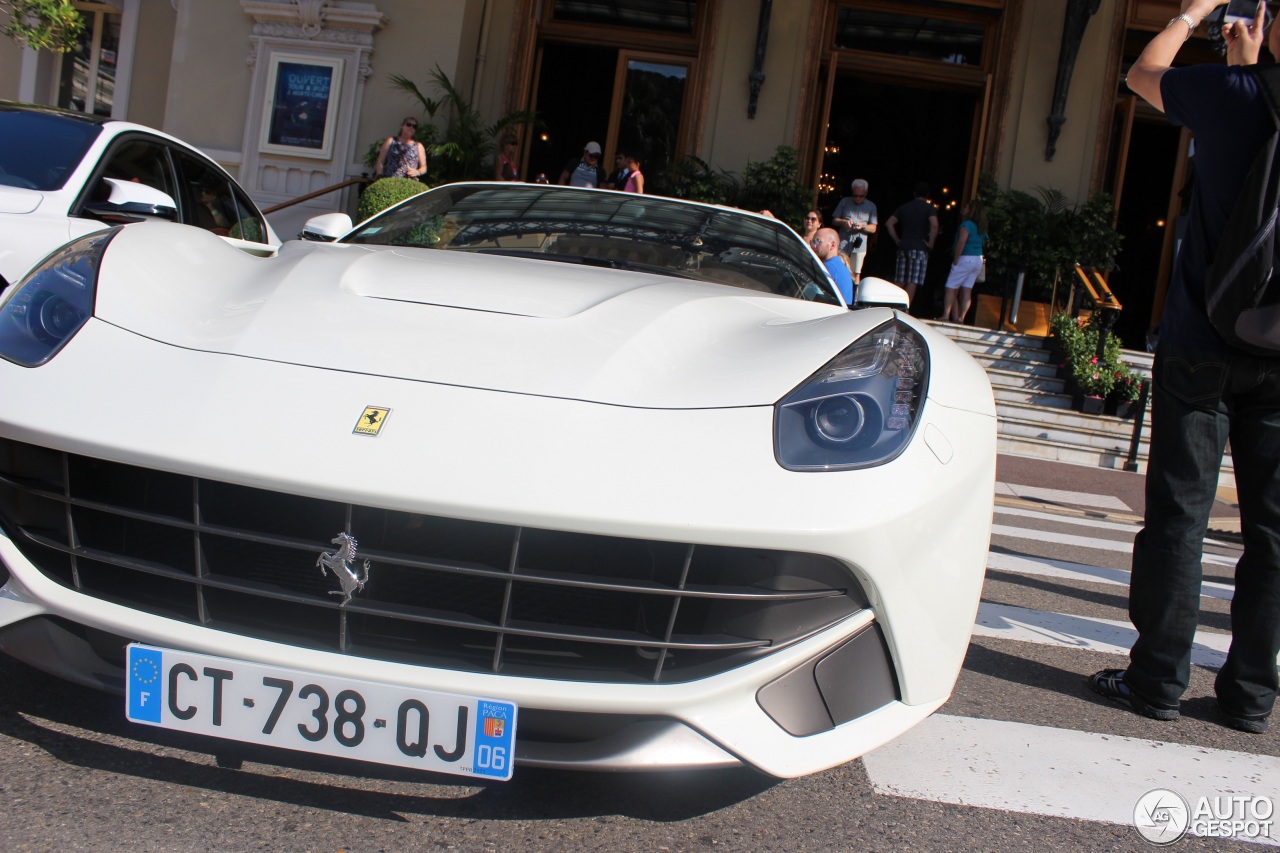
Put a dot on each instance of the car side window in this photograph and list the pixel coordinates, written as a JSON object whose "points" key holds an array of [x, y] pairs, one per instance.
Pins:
{"points": [[210, 200], [142, 161]]}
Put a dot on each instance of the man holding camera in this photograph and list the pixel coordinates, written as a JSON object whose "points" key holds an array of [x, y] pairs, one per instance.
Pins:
{"points": [[1204, 392], [855, 219]]}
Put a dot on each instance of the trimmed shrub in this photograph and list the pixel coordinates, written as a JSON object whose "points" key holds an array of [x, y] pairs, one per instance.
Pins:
{"points": [[381, 194]]}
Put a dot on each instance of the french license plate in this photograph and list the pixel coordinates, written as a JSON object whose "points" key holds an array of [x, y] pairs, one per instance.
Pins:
{"points": [[289, 708]]}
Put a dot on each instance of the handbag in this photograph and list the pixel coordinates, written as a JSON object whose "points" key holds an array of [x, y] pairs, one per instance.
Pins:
{"points": [[982, 272]]}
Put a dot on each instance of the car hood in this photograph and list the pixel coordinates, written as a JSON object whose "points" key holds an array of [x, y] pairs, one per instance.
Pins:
{"points": [[19, 199], [508, 324]]}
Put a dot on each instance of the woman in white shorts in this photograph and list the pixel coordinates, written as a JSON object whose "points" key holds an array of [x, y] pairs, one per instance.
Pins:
{"points": [[966, 262]]}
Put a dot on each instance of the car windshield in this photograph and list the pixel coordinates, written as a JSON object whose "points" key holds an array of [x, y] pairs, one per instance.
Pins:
{"points": [[617, 230], [39, 150]]}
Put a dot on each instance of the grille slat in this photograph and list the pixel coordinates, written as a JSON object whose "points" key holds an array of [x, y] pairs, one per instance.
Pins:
{"points": [[441, 592]]}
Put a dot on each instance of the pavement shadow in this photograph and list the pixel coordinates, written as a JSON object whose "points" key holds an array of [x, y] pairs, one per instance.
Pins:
{"points": [[39, 709]]}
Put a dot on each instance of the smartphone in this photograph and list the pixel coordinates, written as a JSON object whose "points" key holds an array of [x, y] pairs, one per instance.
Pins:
{"points": [[1241, 10]]}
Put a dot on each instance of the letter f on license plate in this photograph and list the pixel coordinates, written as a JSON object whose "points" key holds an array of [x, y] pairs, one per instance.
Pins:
{"points": [[310, 712]]}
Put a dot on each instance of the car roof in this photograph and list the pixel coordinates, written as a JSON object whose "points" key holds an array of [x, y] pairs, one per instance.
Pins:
{"points": [[71, 115]]}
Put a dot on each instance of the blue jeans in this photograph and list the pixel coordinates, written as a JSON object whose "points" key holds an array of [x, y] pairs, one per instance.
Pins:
{"points": [[1199, 400]]}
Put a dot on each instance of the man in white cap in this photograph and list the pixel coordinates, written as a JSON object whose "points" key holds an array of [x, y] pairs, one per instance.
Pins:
{"points": [[585, 172]]}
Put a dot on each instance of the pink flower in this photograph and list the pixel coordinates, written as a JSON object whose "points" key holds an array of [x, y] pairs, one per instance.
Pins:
{"points": [[1093, 360]]}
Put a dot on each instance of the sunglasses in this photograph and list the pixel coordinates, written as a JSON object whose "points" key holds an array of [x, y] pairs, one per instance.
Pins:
{"points": [[411, 124], [811, 219]]}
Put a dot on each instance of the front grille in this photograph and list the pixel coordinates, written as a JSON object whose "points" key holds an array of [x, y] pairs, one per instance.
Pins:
{"points": [[441, 592]]}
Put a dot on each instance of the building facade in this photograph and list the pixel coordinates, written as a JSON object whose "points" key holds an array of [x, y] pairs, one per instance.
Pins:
{"points": [[290, 94]]}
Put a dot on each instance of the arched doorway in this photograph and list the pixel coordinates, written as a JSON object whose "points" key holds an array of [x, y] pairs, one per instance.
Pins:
{"points": [[906, 91], [618, 73], [628, 101]]}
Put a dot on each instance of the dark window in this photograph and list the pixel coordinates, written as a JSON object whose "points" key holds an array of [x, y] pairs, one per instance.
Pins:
{"points": [[39, 150], [916, 36], [142, 161], [210, 200], [668, 16]]}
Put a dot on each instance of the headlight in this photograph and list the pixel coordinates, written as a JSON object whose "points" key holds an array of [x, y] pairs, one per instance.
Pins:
{"points": [[44, 311], [860, 409]]}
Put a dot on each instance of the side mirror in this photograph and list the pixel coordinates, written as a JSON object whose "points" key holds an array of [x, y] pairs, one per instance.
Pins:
{"points": [[325, 228], [130, 202], [878, 293]]}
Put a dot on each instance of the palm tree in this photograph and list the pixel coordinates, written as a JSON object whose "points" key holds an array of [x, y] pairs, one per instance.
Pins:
{"points": [[468, 147]]}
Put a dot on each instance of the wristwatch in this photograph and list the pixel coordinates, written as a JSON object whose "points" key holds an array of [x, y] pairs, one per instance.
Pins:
{"points": [[1191, 23]]}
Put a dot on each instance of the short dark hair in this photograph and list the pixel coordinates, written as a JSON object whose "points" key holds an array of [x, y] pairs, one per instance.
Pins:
{"points": [[922, 189]]}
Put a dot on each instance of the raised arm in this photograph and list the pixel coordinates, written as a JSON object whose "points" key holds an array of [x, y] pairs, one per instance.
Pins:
{"points": [[1157, 57]]}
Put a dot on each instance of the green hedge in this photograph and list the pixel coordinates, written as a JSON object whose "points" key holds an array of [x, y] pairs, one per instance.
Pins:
{"points": [[383, 193]]}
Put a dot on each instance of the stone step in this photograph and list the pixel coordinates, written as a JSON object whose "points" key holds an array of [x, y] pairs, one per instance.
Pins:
{"points": [[1035, 416], [959, 333], [1021, 394], [1073, 432], [1052, 451], [1031, 381], [984, 341], [1024, 366], [1047, 419]]}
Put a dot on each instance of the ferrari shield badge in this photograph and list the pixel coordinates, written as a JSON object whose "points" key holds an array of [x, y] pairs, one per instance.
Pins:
{"points": [[371, 420]]}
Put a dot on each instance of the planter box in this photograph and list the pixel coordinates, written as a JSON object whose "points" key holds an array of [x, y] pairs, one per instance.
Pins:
{"points": [[1121, 408], [1057, 355], [1033, 317], [1089, 405]]}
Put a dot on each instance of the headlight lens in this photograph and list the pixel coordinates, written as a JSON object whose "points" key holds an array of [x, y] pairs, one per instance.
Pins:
{"points": [[860, 409], [45, 310]]}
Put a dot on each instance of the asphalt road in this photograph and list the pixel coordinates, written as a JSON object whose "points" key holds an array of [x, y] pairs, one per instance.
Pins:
{"points": [[1010, 763]]}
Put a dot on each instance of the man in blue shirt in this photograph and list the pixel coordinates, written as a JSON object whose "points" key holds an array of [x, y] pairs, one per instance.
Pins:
{"points": [[1204, 392], [826, 245]]}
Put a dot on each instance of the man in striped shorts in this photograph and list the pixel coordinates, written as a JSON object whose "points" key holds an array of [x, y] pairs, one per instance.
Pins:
{"points": [[914, 227]]}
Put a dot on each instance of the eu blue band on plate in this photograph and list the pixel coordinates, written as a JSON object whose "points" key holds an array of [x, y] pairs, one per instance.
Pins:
{"points": [[495, 731], [146, 689]]}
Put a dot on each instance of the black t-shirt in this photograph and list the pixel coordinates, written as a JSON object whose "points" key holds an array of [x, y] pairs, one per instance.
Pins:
{"points": [[1224, 109], [913, 224]]}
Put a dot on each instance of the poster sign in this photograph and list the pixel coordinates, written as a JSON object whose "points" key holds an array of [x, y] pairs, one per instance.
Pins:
{"points": [[301, 105]]}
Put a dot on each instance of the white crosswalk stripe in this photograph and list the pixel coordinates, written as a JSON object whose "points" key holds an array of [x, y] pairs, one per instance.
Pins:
{"points": [[1094, 523], [1062, 496], [1041, 770], [1082, 632], [1045, 567], [1087, 542], [1034, 769]]}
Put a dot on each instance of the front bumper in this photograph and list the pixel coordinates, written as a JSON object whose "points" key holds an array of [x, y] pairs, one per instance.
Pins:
{"points": [[912, 534]]}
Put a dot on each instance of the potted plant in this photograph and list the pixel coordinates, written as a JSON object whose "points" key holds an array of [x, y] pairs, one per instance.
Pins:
{"points": [[1093, 374], [1095, 380], [1064, 332], [1041, 237], [1126, 391], [468, 145]]}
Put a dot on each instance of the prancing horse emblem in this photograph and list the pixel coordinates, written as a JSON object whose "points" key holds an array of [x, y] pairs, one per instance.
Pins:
{"points": [[340, 562]]}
